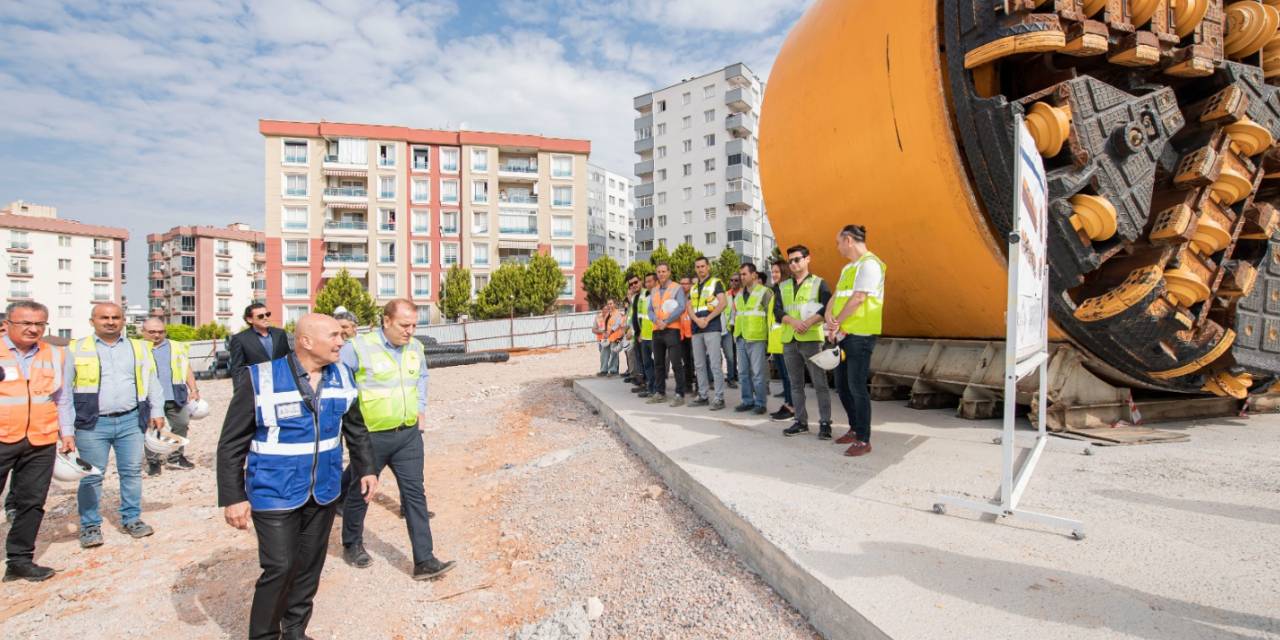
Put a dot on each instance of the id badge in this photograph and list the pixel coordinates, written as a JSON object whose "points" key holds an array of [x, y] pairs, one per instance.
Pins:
{"points": [[290, 410]]}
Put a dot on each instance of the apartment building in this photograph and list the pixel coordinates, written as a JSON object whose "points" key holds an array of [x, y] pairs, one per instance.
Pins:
{"points": [[698, 176], [66, 265], [611, 216], [200, 274], [397, 207]]}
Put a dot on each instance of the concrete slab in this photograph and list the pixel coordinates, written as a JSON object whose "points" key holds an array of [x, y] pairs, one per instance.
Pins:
{"points": [[1181, 544]]}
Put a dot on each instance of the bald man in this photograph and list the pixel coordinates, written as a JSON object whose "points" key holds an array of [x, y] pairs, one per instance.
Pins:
{"points": [[115, 398], [178, 381], [280, 465]]}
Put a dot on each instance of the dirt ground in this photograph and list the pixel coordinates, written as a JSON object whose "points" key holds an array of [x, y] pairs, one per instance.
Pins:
{"points": [[540, 504]]}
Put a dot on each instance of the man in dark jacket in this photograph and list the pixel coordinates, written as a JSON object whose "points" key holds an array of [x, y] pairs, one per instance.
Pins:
{"points": [[259, 342], [280, 464]]}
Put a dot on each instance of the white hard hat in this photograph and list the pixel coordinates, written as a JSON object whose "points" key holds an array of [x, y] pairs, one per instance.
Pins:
{"points": [[68, 467], [197, 409], [827, 358], [669, 306], [163, 443], [809, 309], [626, 344]]}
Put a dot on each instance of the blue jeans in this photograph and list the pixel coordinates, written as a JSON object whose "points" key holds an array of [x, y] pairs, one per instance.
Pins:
{"points": [[608, 358], [646, 357], [727, 343], [781, 368], [752, 382], [122, 434]]}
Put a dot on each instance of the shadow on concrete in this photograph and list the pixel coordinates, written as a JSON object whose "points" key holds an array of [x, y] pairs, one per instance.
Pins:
{"points": [[218, 588], [1261, 515], [1038, 593], [374, 544]]}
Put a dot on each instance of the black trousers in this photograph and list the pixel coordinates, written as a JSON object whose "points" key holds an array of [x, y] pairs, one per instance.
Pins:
{"points": [[851, 383], [686, 351], [402, 451], [291, 551], [668, 345], [32, 468]]}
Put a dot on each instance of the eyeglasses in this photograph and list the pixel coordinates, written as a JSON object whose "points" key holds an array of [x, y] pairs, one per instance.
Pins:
{"points": [[262, 316], [29, 325], [796, 259]]}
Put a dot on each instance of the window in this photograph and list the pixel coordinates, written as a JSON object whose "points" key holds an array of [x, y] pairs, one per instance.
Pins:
{"points": [[662, 221], [480, 191], [187, 263], [709, 91], [294, 312], [295, 251], [613, 200], [22, 289], [449, 191], [224, 266], [644, 201], [421, 221], [567, 291], [688, 146], [613, 184], [295, 151], [64, 264], [644, 133], [386, 284], [562, 196], [709, 189], [295, 219], [224, 285], [187, 303], [480, 254], [687, 192], [711, 237], [224, 305], [518, 222], [64, 311], [295, 185], [686, 98], [448, 254], [349, 151], [563, 256], [421, 190], [480, 222], [449, 223], [561, 226], [561, 166], [710, 139], [709, 115], [686, 217], [422, 158], [421, 285], [688, 239], [386, 187], [295, 284], [18, 265], [738, 158], [662, 197], [386, 252], [662, 175], [101, 269], [686, 122], [187, 283], [709, 164], [709, 213], [101, 247], [64, 241], [662, 106], [449, 159], [222, 247], [65, 287], [424, 314], [387, 154], [480, 160], [386, 220], [101, 291], [686, 169], [421, 254]]}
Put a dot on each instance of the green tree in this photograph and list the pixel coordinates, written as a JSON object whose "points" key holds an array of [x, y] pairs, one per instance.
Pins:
{"points": [[603, 280], [455, 293], [344, 291], [726, 265], [211, 331], [660, 255], [682, 261], [638, 270], [498, 298], [775, 256], [543, 282], [180, 332]]}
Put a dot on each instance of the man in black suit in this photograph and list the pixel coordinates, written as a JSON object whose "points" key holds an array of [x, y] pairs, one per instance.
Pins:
{"points": [[260, 342]]}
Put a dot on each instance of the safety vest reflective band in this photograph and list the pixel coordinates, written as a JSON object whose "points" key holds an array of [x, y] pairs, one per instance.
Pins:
{"points": [[775, 333], [89, 376], [793, 303], [646, 325], [752, 324], [295, 453], [866, 320], [703, 296], [27, 409], [609, 328], [179, 365], [388, 389], [729, 315]]}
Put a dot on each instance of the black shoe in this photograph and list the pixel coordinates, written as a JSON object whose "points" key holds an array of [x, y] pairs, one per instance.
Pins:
{"points": [[644, 394], [759, 411], [356, 556], [824, 430], [154, 468], [431, 569], [743, 408], [138, 529], [29, 571], [180, 461], [796, 429], [733, 384], [700, 402], [783, 414]]}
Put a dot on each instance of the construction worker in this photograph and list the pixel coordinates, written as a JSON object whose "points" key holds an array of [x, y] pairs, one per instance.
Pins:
{"points": [[280, 465], [707, 303], [853, 320], [258, 342], [178, 381], [347, 321], [635, 370], [667, 312], [686, 337], [610, 327], [644, 320], [786, 412], [751, 330], [800, 304], [728, 343], [117, 397], [33, 384], [391, 375]]}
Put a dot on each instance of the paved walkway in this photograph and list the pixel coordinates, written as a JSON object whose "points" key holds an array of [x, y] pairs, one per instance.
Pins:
{"points": [[1182, 538]]}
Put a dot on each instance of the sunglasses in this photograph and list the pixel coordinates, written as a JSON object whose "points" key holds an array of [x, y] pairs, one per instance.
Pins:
{"points": [[262, 316], [795, 259]]}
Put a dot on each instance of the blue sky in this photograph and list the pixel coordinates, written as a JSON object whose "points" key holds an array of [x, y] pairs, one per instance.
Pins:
{"points": [[144, 115]]}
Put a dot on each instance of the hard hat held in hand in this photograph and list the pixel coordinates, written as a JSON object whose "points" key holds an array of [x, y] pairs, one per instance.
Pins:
{"points": [[197, 409], [670, 306], [163, 443], [827, 358], [810, 309], [68, 467]]}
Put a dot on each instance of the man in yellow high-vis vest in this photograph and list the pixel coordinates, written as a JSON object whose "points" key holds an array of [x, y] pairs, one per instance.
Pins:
{"points": [[643, 325], [801, 300], [391, 377], [751, 329], [178, 381], [853, 319]]}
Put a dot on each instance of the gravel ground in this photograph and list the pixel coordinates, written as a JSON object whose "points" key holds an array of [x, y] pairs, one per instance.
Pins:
{"points": [[552, 520]]}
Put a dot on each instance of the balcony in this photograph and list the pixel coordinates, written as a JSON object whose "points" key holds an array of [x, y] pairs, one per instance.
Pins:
{"points": [[738, 199], [224, 292], [736, 74], [157, 293], [516, 229], [346, 194], [643, 189], [387, 259], [21, 247], [738, 171], [387, 227], [295, 259], [741, 125], [519, 169], [644, 168], [331, 162], [644, 122], [645, 211], [20, 272], [643, 104], [737, 146], [518, 199], [101, 253], [449, 229], [739, 99], [643, 145], [346, 259]]}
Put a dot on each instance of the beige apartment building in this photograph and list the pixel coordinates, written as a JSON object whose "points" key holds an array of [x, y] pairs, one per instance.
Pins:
{"points": [[66, 265], [199, 275], [397, 207]]}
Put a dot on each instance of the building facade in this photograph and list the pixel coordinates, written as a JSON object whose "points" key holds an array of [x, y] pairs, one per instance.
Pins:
{"points": [[698, 179], [611, 216], [199, 275], [66, 265], [397, 207]]}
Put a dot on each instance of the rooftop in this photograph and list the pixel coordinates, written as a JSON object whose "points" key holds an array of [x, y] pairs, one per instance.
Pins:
{"points": [[324, 129]]}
